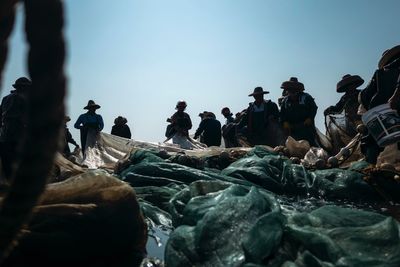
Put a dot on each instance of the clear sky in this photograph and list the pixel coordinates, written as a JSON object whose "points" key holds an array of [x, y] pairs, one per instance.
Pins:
{"points": [[137, 58]]}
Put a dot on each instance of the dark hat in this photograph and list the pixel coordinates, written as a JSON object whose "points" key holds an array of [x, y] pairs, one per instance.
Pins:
{"points": [[292, 84], [258, 91], [22, 82], [120, 120], [348, 80], [202, 114], [91, 104], [388, 56]]}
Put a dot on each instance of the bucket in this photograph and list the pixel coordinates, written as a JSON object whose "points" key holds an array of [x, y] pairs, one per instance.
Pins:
{"points": [[383, 124]]}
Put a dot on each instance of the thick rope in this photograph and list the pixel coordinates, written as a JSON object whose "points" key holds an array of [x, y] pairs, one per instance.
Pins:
{"points": [[43, 25], [7, 17]]}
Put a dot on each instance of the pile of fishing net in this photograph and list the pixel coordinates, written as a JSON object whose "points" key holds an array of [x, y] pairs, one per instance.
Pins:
{"points": [[241, 208]]}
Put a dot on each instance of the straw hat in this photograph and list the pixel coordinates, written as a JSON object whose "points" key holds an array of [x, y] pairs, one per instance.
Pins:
{"points": [[388, 56], [91, 104], [258, 91], [292, 84], [348, 80]]}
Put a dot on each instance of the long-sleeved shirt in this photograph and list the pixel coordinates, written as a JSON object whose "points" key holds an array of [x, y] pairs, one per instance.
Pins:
{"points": [[90, 120], [211, 130], [349, 103], [296, 112]]}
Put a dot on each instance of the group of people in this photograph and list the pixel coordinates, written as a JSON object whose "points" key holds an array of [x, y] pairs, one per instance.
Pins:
{"points": [[13, 124], [263, 123], [266, 123]]}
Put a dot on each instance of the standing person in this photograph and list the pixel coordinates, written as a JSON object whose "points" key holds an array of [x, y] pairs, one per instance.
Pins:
{"points": [[13, 123], [89, 123], [67, 138], [382, 89], [348, 102], [298, 112], [121, 128], [210, 129], [261, 120], [180, 123], [229, 128]]}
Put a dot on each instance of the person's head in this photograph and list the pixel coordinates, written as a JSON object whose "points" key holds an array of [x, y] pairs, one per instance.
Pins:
{"points": [[293, 87], [22, 84], [120, 121], [226, 112], [349, 83], [91, 106], [258, 94], [181, 105], [202, 114], [389, 56]]}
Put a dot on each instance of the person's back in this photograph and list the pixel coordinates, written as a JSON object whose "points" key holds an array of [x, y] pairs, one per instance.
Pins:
{"points": [[13, 111], [210, 128], [120, 128]]}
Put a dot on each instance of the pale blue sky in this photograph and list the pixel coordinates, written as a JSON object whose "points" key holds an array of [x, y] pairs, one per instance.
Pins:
{"points": [[137, 58]]}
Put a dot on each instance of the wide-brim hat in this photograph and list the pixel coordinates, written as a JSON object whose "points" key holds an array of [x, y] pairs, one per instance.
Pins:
{"points": [[347, 80], [388, 56], [258, 91], [22, 82], [292, 84], [91, 104]]}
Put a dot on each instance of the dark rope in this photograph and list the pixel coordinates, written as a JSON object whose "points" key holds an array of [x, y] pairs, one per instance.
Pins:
{"points": [[43, 26]]}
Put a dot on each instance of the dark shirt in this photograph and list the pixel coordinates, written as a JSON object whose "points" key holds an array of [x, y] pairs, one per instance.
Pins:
{"points": [[211, 130], [90, 120], [270, 111], [229, 119], [122, 131], [296, 112], [380, 89], [349, 103], [13, 111], [181, 123]]}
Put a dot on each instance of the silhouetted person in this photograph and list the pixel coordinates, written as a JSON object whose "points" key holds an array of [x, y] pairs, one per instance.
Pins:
{"points": [[121, 128], [381, 90], [260, 120], [89, 123], [68, 139], [13, 112], [348, 102], [180, 122], [210, 129], [298, 112], [229, 128]]}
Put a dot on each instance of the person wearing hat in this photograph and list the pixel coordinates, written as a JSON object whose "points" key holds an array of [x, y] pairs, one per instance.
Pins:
{"points": [[89, 123], [381, 89], [67, 139], [209, 130], [259, 117], [13, 122], [348, 102], [121, 128], [298, 112], [180, 122]]}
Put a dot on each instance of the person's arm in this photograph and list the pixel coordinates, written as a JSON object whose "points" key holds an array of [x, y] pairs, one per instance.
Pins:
{"points": [[244, 119], [395, 99], [128, 132], [312, 107], [78, 122], [69, 137], [368, 93], [199, 130], [101, 122], [274, 111], [189, 123], [336, 108]]}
